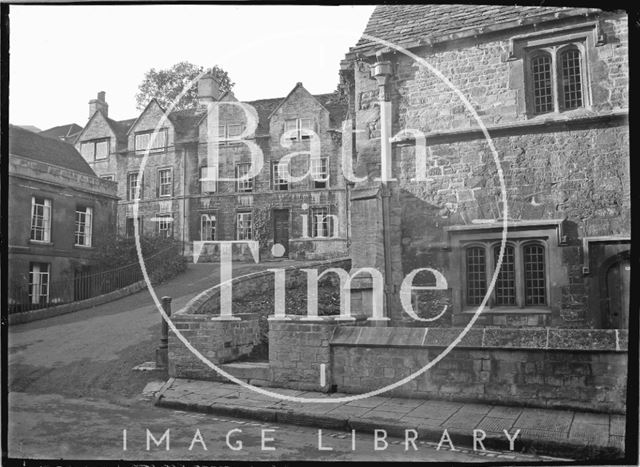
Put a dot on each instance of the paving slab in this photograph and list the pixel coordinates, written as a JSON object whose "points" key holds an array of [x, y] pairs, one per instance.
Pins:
{"points": [[561, 433]]}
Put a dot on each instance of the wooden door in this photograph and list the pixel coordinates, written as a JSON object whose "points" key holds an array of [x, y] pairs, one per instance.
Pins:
{"points": [[281, 229], [618, 283]]}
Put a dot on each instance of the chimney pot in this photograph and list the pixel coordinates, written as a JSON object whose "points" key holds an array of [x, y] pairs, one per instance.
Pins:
{"points": [[99, 104], [208, 89]]}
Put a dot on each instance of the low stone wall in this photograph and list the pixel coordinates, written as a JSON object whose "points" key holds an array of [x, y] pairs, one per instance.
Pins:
{"points": [[563, 368], [298, 347], [220, 341], [44, 313]]}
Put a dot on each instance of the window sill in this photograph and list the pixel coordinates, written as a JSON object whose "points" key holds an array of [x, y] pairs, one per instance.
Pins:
{"points": [[83, 247], [322, 239], [40, 242], [508, 310]]}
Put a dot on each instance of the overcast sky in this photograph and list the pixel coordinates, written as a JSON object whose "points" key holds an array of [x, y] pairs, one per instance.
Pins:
{"points": [[61, 56]]}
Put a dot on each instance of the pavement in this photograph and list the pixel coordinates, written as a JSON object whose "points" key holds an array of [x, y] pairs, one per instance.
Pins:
{"points": [[566, 434]]}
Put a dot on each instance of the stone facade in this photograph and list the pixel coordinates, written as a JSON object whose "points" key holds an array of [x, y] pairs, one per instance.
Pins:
{"points": [[568, 163], [212, 211], [51, 257]]}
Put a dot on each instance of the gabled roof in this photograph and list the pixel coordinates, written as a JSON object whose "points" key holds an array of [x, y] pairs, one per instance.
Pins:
{"points": [[185, 122], [406, 24], [64, 132], [152, 101], [295, 88], [49, 150]]}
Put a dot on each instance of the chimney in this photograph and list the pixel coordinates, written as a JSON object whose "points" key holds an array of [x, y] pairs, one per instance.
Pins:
{"points": [[208, 90], [99, 104]]}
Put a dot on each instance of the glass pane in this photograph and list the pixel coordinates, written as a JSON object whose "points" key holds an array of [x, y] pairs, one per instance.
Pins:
{"points": [[571, 79], [534, 275], [505, 289], [542, 86], [476, 275]]}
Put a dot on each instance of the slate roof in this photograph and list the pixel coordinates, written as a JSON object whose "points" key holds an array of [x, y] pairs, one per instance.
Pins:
{"points": [[404, 24], [49, 150], [64, 132]]}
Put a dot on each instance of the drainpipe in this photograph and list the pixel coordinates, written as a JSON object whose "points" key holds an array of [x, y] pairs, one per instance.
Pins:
{"points": [[381, 71]]}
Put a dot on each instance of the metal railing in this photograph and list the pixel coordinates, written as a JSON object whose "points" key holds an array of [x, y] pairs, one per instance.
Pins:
{"points": [[84, 285]]}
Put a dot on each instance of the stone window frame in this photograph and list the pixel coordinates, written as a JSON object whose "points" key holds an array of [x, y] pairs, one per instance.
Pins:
{"points": [[37, 299], [206, 217], [160, 184], [131, 177], [243, 186], [240, 215], [554, 42], [298, 127], [155, 149], [277, 180], [94, 144], [83, 234], [519, 267], [46, 219]]}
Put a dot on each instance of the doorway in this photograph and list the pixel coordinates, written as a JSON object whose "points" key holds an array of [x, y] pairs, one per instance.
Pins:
{"points": [[281, 229], [617, 286]]}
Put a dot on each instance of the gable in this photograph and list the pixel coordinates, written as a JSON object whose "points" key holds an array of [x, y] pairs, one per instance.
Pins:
{"points": [[149, 119], [98, 126], [297, 101]]}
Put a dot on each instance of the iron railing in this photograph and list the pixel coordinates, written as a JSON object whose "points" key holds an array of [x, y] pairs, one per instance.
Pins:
{"points": [[84, 285]]}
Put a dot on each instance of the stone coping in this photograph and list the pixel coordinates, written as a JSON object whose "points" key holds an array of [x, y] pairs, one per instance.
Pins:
{"points": [[194, 305], [598, 340]]}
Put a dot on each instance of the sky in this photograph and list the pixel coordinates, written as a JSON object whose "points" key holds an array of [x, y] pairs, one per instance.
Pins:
{"points": [[61, 56]]}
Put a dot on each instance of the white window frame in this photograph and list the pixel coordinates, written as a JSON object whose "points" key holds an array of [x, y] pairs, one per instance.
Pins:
{"points": [[40, 221], [279, 181], [319, 172], [207, 227], [84, 226], [141, 140], [132, 184], [208, 184], [89, 149], [165, 184], [244, 226], [164, 225], [39, 278], [321, 228], [298, 124], [243, 186]]}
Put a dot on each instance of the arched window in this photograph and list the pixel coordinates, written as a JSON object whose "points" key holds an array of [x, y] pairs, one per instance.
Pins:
{"points": [[571, 78], [542, 83], [535, 290], [505, 288], [476, 275]]}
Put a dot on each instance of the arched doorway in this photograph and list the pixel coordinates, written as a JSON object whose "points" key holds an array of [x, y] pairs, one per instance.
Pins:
{"points": [[615, 283]]}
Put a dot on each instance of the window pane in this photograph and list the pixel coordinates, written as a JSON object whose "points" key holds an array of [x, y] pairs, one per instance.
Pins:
{"points": [[320, 172], [102, 149], [476, 275], [208, 180], [280, 177], [320, 222], [40, 219], [242, 170], [235, 130], [571, 79], [86, 149], [505, 289], [165, 225], [166, 182], [244, 226], [207, 227], [534, 275], [542, 86], [132, 184]]}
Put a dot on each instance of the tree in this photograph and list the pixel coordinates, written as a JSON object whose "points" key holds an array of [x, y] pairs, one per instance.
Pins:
{"points": [[166, 85]]}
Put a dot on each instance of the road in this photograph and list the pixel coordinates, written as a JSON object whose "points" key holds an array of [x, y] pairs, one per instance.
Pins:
{"points": [[72, 391]]}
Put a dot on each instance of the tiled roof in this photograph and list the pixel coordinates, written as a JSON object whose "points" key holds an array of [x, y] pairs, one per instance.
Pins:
{"points": [[337, 110], [185, 122], [403, 24], [264, 107], [33, 146], [121, 127], [64, 132]]}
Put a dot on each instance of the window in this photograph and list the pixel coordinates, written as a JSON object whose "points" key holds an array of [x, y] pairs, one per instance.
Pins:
{"points": [[40, 219], [96, 149], [110, 178], [38, 283], [320, 172], [132, 185], [84, 226], [297, 126], [157, 140], [521, 281], [165, 182], [130, 228], [241, 171], [244, 226], [230, 131], [556, 78], [207, 227], [279, 177], [208, 181], [321, 222], [165, 225]]}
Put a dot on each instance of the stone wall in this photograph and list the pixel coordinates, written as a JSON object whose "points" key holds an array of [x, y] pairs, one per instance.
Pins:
{"points": [[219, 341], [580, 369]]}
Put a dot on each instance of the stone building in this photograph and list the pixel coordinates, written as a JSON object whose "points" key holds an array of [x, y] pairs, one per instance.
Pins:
{"points": [[550, 88], [180, 196], [60, 211]]}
